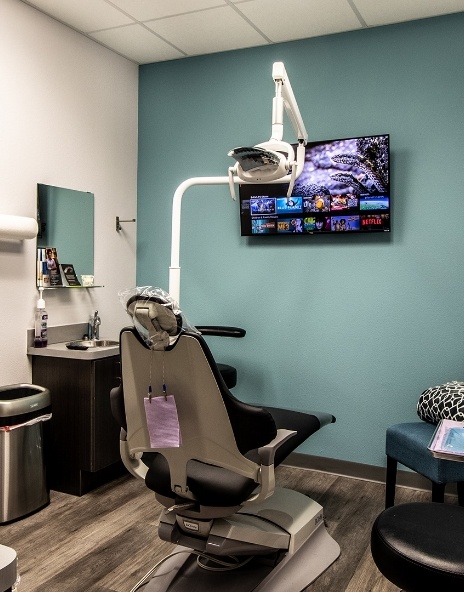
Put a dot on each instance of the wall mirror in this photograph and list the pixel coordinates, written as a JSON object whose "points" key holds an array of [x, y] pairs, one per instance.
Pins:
{"points": [[66, 223]]}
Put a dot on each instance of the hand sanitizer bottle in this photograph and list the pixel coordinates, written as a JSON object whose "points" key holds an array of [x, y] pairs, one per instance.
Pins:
{"points": [[41, 320]]}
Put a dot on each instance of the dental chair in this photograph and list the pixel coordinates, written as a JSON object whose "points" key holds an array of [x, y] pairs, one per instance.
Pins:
{"points": [[209, 459]]}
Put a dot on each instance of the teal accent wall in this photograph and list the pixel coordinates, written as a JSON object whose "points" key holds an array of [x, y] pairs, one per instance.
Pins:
{"points": [[353, 325]]}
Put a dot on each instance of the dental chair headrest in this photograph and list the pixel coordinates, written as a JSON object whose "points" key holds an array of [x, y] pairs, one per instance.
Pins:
{"points": [[155, 315]]}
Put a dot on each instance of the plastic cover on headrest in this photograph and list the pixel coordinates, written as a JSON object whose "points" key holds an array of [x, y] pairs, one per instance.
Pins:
{"points": [[156, 315]]}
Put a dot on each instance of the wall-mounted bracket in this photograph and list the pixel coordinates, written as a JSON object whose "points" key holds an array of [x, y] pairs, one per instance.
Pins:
{"points": [[118, 222]]}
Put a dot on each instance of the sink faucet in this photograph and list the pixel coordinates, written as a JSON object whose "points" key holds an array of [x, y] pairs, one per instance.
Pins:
{"points": [[94, 326]]}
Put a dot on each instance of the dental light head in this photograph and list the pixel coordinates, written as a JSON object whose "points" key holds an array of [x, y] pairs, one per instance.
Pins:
{"points": [[274, 161]]}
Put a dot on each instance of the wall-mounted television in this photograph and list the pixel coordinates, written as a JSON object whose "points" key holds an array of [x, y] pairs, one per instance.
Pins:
{"points": [[344, 187]]}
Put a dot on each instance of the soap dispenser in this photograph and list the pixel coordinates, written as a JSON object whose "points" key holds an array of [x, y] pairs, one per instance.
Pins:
{"points": [[41, 321]]}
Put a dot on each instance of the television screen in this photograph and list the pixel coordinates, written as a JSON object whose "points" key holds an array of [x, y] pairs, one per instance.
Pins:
{"points": [[344, 187]]}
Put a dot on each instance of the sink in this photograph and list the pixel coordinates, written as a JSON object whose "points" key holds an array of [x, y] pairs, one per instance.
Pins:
{"points": [[91, 343]]}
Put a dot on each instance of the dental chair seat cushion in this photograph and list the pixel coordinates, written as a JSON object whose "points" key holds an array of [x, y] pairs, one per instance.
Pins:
{"points": [[419, 546], [212, 486], [215, 486]]}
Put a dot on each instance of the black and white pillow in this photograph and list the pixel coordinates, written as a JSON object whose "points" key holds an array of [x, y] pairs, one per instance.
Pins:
{"points": [[445, 401]]}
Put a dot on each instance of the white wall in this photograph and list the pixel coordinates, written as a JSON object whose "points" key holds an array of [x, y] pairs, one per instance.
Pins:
{"points": [[68, 117]]}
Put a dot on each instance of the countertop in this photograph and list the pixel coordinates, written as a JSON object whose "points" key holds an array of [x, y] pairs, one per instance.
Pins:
{"points": [[59, 350], [59, 336]]}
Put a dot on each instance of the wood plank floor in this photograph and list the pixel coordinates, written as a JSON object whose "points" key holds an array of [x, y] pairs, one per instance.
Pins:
{"points": [[106, 540]]}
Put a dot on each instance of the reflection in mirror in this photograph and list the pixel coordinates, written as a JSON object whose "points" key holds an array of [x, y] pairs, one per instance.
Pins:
{"points": [[66, 222]]}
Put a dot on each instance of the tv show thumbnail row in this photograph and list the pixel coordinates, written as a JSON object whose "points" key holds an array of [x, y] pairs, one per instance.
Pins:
{"points": [[321, 224], [264, 205]]}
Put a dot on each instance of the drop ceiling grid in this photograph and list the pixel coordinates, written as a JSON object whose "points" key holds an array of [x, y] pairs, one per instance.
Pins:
{"points": [[156, 30]]}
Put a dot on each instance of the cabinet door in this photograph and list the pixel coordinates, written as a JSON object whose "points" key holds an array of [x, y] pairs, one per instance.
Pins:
{"points": [[103, 436], [69, 382]]}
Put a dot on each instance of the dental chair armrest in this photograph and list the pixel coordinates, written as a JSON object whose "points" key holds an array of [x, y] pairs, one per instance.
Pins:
{"points": [[221, 331], [267, 453], [132, 462], [267, 477]]}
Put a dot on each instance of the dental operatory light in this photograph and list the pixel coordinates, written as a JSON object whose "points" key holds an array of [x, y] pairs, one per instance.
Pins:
{"points": [[274, 161]]}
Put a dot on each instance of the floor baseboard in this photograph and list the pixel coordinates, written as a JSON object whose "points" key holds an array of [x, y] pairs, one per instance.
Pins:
{"points": [[405, 478]]}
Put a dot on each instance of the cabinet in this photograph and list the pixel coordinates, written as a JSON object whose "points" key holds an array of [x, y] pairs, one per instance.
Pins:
{"points": [[83, 438]]}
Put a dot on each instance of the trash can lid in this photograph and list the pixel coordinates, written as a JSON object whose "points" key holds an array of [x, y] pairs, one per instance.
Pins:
{"points": [[18, 399]]}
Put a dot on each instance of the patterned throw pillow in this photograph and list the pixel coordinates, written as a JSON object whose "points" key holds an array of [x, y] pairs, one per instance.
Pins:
{"points": [[445, 401]]}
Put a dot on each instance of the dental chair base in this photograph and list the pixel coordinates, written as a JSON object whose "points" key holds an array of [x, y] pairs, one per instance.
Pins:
{"points": [[290, 548]]}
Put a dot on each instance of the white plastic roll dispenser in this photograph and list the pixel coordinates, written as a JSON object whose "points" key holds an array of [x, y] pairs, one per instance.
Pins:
{"points": [[17, 227]]}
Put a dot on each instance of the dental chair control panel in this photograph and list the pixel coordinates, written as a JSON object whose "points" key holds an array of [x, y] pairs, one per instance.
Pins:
{"points": [[209, 459]]}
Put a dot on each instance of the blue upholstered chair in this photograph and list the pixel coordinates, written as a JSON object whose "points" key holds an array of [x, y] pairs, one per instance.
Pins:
{"points": [[406, 443]]}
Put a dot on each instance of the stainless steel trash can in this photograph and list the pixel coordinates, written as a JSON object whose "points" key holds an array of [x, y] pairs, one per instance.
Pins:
{"points": [[23, 483]]}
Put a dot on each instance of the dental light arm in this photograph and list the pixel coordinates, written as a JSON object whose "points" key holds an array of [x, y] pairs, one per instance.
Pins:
{"points": [[270, 162], [274, 161], [174, 269], [284, 97]]}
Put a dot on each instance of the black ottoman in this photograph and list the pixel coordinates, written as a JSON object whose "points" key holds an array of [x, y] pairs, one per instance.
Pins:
{"points": [[419, 547]]}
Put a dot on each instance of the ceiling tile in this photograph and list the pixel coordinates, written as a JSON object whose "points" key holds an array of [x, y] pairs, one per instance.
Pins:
{"points": [[298, 19], [395, 11], [209, 31], [144, 10], [83, 15], [138, 44]]}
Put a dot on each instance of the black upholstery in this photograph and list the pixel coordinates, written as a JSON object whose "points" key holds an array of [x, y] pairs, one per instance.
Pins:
{"points": [[212, 486], [419, 547], [229, 375], [221, 331]]}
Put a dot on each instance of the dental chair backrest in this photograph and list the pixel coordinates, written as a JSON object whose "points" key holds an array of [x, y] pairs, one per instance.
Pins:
{"points": [[215, 428]]}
